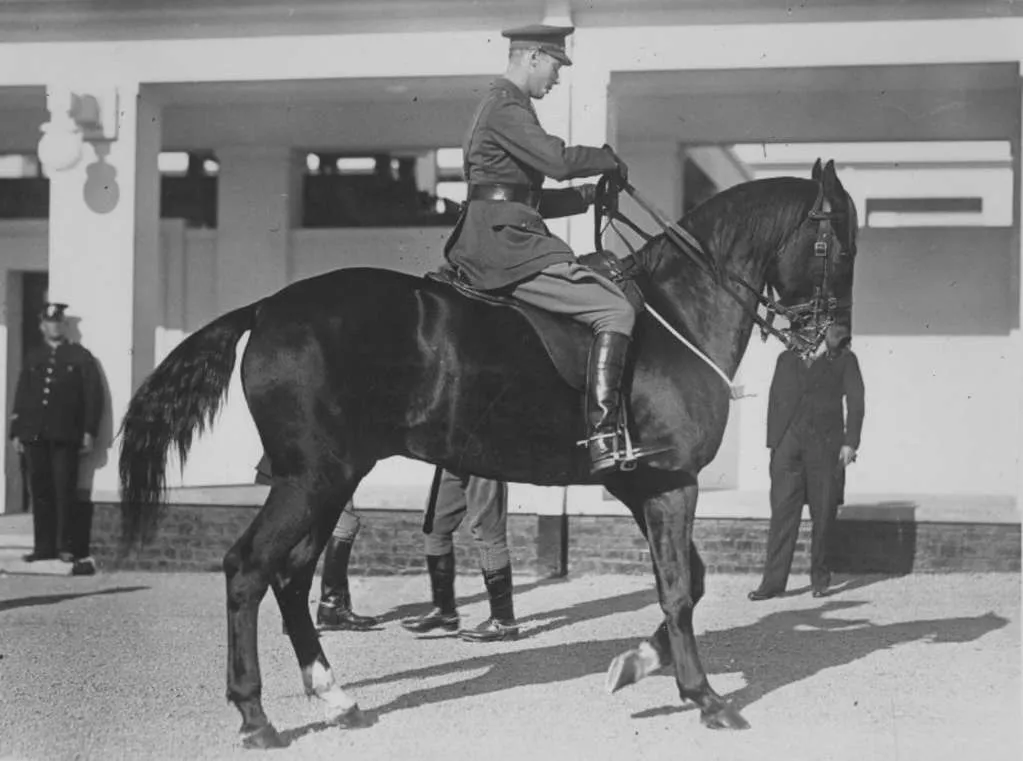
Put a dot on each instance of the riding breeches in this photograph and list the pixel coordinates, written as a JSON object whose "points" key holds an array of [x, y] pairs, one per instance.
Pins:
{"points": [[579, 292], [486, 502]]}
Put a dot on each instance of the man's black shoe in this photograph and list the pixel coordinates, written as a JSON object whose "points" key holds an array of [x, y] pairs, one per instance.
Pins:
{"points": [[84, 567], [435, 619], [491, 630], [337, 618], [32, 557]]}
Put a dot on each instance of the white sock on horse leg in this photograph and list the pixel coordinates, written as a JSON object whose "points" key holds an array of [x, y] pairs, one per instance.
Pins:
{"points": [[319, 681]]}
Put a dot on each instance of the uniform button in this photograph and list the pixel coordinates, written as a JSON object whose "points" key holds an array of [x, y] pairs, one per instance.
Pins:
{"points": [[49, 369], [45, 402], [46, 390]]}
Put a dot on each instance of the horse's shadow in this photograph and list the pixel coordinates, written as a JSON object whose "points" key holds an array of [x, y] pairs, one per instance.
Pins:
{"points": [[802, 643]]}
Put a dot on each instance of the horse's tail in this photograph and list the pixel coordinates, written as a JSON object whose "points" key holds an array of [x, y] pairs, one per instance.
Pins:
{"points": [[180, 398]]}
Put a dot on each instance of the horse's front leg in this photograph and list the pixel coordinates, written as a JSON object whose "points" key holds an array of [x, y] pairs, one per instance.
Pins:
{"points": [[669, 519]]}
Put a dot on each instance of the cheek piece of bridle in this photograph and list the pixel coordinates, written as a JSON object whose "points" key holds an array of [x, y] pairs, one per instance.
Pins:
{"points": [[808, 321]]}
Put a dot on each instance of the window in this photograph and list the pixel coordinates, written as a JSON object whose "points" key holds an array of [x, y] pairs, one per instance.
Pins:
{"points": [[393, 189], [920, 184], [18, 165]]}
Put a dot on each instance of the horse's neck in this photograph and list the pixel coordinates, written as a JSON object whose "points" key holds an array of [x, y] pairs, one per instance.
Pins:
{"points": [[697, 305]]}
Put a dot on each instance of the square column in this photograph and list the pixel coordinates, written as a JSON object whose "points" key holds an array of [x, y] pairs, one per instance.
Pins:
{"points": [[259, 197], [589, 124], [1017, 229], [104, 255]]}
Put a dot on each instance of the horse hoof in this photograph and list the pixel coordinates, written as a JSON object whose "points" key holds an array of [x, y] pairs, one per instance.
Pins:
{"points": [[632, 666], [264, 738], [353, 718], [723, 717], [623, 671]]}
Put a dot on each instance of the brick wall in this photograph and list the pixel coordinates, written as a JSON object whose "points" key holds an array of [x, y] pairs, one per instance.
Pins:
{"points": [[391, 542]]}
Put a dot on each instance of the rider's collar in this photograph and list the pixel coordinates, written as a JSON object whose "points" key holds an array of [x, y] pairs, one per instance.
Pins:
{"points": [[505, 84]]}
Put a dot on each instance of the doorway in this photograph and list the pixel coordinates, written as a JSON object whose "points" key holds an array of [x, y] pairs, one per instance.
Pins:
{"points": [[26, 297]]}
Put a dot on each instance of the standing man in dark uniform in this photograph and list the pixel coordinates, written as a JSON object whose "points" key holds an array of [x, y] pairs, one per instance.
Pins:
{"points": [[452, 497], [500, 243], [334, 611], [810, 449], [57, 410]]}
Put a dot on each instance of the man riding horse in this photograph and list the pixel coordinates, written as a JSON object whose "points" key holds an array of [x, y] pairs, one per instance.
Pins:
{"points": [[500, 242]]}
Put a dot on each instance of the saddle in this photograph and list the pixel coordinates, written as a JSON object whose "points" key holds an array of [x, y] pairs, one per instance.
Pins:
{"points": [[566, 341]]}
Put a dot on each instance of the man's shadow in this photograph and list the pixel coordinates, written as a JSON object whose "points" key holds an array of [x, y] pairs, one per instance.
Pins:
{"points": [[802, 643], [89, 463], [418, 608], [550, 620], [27, 602]]}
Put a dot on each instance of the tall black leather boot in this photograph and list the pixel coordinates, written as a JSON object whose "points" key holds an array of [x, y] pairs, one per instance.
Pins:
{"points": [[334, 613], [604, 373], [501, 625], [442, 584]]}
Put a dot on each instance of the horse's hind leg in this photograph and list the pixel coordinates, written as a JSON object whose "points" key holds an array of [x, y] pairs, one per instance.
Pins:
{"points": [[291, 587], [669, 519], [257, 559]]}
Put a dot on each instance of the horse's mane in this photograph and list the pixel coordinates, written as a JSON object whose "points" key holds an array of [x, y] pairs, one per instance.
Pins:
{"points": [[760, 210]]}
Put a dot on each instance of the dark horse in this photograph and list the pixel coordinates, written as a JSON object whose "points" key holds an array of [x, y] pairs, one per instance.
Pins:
{"points": [[357, 365]]}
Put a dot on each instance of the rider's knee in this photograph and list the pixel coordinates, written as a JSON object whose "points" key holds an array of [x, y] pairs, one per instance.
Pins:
{"points": [[620, 319]]}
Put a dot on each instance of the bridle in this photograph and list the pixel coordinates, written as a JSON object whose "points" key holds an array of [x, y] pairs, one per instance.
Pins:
{"points": [[808, 321]]}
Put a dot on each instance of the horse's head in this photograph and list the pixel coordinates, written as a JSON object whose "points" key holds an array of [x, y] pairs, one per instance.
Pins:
{"points": [[813, 271]]}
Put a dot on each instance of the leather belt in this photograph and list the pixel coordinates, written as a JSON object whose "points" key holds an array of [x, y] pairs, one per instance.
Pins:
{"points": [[499, 191]]}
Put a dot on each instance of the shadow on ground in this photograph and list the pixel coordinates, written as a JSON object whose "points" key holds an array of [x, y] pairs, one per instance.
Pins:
{"points": [[27, 602], [780, 649]]}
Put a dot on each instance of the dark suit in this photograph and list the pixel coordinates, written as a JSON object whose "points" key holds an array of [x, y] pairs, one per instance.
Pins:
{"points": [[59, 399], [805, 432]]}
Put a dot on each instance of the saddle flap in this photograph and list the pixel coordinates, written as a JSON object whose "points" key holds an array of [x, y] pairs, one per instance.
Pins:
{"points": [[566, 341]]}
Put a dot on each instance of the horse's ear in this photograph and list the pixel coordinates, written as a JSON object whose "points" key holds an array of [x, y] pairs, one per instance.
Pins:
{"points": [[829, 179], [816, 173]]}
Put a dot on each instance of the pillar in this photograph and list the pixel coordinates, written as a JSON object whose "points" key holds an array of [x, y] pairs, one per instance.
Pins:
{"points": [[589, 124], [104, 256], [1017, 226], [258, 202]]}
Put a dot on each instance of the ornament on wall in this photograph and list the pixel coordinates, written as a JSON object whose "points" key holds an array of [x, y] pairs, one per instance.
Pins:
{"points": [[75, 118]]}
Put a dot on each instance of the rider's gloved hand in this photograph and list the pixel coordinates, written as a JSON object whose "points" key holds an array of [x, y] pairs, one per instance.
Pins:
{"points": [[621, 173], [588, 191]]}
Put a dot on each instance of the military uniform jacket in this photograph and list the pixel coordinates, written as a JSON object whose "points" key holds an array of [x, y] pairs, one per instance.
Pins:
{"points": [[809, 399], [498, 243], [59, 395]]}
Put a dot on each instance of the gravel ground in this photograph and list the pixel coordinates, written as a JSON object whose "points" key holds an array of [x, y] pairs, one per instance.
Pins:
{"points": [[131, 666]]}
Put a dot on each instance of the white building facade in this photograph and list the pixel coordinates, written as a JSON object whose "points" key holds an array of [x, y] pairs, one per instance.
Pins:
{"points": [[937, 310]]}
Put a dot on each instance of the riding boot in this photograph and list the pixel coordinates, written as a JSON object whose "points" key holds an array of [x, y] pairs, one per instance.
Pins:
{"points": [[501, 625], [442, 584], [604, 373], [334, 612]]}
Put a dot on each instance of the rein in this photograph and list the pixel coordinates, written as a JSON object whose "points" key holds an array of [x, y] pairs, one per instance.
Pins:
{"points": [[817, 310]]}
